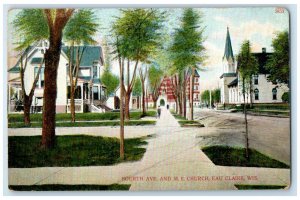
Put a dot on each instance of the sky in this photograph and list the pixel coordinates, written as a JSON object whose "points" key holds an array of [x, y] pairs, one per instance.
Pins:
{"points": [[257, 24]]}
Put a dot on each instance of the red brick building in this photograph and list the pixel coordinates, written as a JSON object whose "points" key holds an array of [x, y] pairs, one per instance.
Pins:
{"points": [[166, 93]]}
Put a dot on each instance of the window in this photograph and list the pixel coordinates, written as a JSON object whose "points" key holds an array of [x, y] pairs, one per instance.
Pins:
{"points": [[77, 94], [255, 79], [256, 94], [95, 71], [195, 87], [41, 81], [274, 93], [96, 92], [196, 80]]}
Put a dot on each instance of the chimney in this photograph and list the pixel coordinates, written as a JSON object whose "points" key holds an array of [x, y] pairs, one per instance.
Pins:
{"points": [[264, 50]]}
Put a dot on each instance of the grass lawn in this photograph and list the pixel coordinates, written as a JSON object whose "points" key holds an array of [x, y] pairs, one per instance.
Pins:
{"points": [[234, 156], [259, 187], [81, 116], [71, 151], [186, 123], [59, 187], [84, 124]]}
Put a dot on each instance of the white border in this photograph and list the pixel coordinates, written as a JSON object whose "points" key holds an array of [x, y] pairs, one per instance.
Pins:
{"points": [[158, 3]]}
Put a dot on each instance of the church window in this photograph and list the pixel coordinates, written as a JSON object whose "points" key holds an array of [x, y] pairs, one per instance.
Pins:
{"points": [[256, 94], [255, 79], [274, 93]]}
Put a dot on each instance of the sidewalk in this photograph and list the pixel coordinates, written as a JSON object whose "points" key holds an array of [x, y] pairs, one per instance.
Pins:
{"points": [[173, 152]]}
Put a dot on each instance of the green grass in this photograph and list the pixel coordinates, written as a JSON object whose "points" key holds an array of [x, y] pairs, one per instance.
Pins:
{"points": [[234, 156], [71, 151], [177, 116], [259, 187], [59, 187], [84, 124], [189, 122], [81, 116]]}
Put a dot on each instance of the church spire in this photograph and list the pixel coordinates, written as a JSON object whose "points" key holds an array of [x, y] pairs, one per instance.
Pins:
{"points": [[228, 54]]}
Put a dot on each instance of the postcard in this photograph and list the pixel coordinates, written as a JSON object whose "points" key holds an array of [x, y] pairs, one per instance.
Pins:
{"points": [[148, 99]]}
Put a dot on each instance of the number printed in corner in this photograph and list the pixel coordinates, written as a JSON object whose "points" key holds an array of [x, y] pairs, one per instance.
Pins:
{"points": [[279, 10]]}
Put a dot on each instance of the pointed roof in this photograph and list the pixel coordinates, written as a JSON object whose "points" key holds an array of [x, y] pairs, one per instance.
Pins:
{"points": [[228, 53]]}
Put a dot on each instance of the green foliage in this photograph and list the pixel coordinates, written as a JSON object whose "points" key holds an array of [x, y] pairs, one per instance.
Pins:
{"points": [[60, 187], [15, 118], [137, 87], [81, 27], [154, 77], [187, 50], [111, 81], [136, 33], [247, 64], [205, 96], [216, 95], [285, 97], [279, 61], [71, 151], [31, 26], [234, 156]]}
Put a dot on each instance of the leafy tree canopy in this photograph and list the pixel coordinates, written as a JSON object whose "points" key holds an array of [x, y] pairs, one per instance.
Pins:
{"points": [[279, 61]]}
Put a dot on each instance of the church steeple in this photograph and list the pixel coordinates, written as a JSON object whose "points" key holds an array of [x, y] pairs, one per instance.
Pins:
{"points": [[228, 53]]}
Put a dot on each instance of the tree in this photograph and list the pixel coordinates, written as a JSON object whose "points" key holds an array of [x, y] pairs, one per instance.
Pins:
{"points": [[188, 52], [279, 62], [137, 87], [205, 97], [143, 76], [31, 30], [135, 36], [247, 67], [85, 19], [56, 21], [216, 95], [138, 32], [155, 76], [110, 80]]}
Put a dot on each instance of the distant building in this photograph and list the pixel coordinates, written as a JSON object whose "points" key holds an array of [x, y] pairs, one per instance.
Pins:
{"points": [[166, 92], [90, 92], [264, 91]]}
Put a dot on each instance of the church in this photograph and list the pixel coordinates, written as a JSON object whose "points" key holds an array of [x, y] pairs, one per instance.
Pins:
{"points": [[264, 91]]}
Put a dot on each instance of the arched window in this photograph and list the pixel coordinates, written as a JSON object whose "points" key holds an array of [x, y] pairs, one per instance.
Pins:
{"points": [[274, 93], [255, 79], [256, 94]]}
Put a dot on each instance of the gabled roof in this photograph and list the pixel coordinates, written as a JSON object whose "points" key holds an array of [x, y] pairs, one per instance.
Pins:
{"points": [[228, 75], [90, 54], [196, 72], [233, 83], [228, 53], [262, 59]]}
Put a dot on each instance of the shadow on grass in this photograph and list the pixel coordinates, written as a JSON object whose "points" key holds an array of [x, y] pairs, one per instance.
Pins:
{"points": [[59, 187], [234, 156], [71, 151], [259, 187]]}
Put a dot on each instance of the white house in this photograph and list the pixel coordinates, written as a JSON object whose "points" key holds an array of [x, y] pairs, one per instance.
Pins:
{"points": [[89, 92], [264, 91]]}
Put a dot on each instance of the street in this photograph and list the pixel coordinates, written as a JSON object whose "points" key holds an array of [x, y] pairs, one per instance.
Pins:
{"points": [[269, 135]]}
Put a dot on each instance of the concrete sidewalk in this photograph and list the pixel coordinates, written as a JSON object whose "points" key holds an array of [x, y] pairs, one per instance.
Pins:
{"points": [[173, 161]]}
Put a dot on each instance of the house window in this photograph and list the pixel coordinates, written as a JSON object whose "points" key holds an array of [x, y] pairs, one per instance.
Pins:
{"points": [[77, 94], [95, 71], [40, 83], [255, 79], [96, 92], [196, 80], [274, 93], [196, 87], [256, 94]]}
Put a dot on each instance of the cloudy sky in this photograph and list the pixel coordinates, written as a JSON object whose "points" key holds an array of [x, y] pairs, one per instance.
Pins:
{"points": [[257, 24]]}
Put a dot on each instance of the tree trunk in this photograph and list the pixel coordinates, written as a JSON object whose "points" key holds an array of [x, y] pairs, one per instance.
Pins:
{"points": [[251, 92], [27, 104], [143, 98], [127, 102], [184, 97], [122, 153], [192, 95], [50, 91], [154, 104], [246, 122], [72, 103]]}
